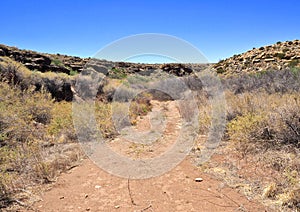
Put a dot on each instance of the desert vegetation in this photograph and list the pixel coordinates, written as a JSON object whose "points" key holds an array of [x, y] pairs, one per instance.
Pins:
{"points": [[263, 129], [38, 140], [37, 137]]}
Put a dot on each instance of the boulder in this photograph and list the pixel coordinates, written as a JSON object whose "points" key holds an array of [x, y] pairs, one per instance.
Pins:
{"points": [[2, 53]]}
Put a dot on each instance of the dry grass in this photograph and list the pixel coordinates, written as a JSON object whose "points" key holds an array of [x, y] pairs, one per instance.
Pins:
{"points": [[263, 126], [269, 120], [36, 135], [267, 126], [30, 153]]}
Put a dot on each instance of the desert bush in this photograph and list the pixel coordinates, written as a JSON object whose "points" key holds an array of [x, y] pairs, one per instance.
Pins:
{"points": [[62, 122], [56, 62], [267, 127], [103, 113], [205, 112], [294, 63], [279, 55], [23, 114], [271, 120], [31, 126], [270, 82], [117, 73], [140, 106], [73, 72]]}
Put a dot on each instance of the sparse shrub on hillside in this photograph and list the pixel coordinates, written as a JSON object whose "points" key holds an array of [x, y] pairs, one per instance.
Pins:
{"points": [[58, 84], [279, 55], [57, 62], [269, 81], [73, 73], [117, 73], [220, 70], [294, 63]]}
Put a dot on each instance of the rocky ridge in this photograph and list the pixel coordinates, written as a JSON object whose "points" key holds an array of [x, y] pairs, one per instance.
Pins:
{"points": [[67, 64], [279, 56], [60, 85], [44, 62]]}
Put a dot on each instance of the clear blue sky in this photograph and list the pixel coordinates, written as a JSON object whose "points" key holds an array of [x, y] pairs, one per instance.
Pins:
{"points": [[82, 27]]}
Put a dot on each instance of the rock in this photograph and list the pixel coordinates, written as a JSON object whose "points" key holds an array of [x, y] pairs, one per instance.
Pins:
{"points": [[32, 66], [97, 186], [198, 179], [42, 60], [75, 67], [2, 53], [296, 57], [269, 59]]}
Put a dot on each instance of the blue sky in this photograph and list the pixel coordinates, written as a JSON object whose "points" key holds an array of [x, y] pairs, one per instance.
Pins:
{"points": [[218, 29]]}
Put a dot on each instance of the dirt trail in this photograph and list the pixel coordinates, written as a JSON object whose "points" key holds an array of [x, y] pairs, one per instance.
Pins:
{"points": [[88, 188]]}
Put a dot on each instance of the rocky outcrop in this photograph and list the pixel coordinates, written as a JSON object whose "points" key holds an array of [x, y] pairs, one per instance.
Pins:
{"points": [[279, 56], [66, 64], [44, 62], [176, 69]]}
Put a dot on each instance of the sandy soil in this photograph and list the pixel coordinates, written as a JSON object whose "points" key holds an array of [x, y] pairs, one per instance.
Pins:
{"points": [[88, 188]]}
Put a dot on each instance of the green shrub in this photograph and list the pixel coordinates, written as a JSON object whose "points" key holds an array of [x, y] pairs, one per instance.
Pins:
{"points": [[73, 73], [220, 70], [117, 73], [280, 55], [57, 62]]}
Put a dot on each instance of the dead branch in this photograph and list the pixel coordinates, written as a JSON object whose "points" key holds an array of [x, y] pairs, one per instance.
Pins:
{"points": [[149, 206], [129, 191]]}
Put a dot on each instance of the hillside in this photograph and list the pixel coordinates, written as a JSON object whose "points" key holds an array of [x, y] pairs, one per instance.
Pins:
{"points": [[279, 56], [58, 63]]}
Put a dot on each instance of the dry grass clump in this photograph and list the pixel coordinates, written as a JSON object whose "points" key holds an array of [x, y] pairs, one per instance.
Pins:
{"points": [[61, 124], [103, 114]]}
